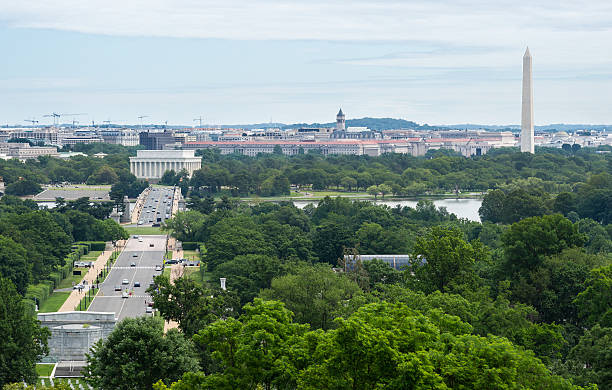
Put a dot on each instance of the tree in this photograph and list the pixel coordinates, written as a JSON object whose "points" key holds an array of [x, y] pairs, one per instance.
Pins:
{"points": [[247, 274], [315, 294], [14, 265], [527, 242], [443, 260], [589, 360], [23, 341], [329, 240], [492, 206], [384, 189], [234, 236], [190, 304], [349, 183], [184, 225], [257, 350], [103, 175], [373, 190], [595, 302], [23, 187], [137, 354], [389, 346]]}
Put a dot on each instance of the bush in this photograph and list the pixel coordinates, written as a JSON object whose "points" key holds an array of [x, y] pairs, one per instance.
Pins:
{"points": [[97, 245], [191, 246]]}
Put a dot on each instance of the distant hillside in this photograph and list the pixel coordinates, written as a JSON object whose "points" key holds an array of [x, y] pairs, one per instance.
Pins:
{"points": [[545, 128], [371, 123]]}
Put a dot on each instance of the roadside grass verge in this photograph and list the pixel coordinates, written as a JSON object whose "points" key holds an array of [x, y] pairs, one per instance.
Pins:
{"points": [[44, 369], [144, 231], [54, 302]]}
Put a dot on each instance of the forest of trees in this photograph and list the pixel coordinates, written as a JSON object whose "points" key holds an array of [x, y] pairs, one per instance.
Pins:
{"points": [[521, 300], [522, 305]]}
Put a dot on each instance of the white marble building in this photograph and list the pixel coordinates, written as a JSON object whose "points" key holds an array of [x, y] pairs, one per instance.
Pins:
{"points": [[151, 164]]}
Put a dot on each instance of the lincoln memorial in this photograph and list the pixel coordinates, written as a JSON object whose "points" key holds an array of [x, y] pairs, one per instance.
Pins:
{"points": [[151, 164]]}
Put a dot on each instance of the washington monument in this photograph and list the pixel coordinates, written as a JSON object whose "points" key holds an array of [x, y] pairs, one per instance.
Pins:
{"points": [[527, 113]]}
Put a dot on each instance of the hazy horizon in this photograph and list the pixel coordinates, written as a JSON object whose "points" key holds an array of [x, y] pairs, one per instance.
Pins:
{"points": [[241, 61]]}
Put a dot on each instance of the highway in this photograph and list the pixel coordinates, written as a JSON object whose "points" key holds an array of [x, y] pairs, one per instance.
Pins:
{"points": [[136, 264]]}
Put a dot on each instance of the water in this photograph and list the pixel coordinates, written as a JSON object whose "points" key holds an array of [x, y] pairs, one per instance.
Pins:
{"points": [[462, 208]]}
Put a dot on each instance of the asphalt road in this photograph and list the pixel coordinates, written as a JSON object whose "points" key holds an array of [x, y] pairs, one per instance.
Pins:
{"points": [[145, 257], [157, 207], [145, 253]]}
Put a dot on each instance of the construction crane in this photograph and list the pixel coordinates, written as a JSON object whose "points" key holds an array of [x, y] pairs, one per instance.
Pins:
{"points": [[32, 121], [56, 117], [199, 119], [141, 117]]}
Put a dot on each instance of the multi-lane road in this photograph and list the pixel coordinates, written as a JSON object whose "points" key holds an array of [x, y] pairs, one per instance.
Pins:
{"points": [[157, 206], [136, 266]]}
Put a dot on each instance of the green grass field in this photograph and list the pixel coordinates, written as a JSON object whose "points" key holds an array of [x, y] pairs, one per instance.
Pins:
{"points": [[144, 231], [44, 369], [191, 255], [68, 282], [54, 302]]}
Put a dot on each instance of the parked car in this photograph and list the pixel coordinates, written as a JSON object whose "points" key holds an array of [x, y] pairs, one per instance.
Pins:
{"points": [[158, 268], [149, 310], [172, 261], [78, 287]]}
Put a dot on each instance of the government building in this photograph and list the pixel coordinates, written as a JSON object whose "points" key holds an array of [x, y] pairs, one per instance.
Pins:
{"points": [[151, 164]]}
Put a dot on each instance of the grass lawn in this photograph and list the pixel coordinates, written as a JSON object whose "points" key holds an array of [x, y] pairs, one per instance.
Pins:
{"points": [[144, 231], [191, 255], [43, 369], [91, 256], [166, 272], [68, 282], [54, 302]]}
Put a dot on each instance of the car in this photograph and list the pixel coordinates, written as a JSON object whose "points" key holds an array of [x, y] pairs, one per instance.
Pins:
{"points": [[158, 268], [125, 281], [151, 245], [134, 254], [157, 224], [125, 295], [140, 240], [140, 222], [132, 264], [78, 287], [136, 237], [136, 284], [172, 261], [117, 288], [149, 310]]}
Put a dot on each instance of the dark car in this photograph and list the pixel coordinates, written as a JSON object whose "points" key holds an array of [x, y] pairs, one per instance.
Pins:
{"points": [[136, 284], [172, 261]]}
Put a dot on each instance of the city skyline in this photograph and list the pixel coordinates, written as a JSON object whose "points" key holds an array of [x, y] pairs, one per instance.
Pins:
{"points": [[245, 62]]}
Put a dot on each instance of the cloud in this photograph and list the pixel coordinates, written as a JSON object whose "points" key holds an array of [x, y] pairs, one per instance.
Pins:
{"points": [[494, 22]]}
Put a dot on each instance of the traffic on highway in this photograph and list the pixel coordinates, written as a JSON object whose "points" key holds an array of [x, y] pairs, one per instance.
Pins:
{"points": [[124, 289]]}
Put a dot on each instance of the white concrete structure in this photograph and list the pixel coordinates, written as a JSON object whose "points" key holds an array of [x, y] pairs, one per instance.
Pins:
{"points": [[527, 143], [151, 164]]}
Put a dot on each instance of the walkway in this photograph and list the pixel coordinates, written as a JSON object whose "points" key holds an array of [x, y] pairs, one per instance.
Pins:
{"points": [[75, 296]]}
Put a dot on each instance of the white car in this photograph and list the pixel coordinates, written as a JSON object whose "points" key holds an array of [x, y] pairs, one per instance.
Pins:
{"points": [[158, 268], [125, 281], [140, 222], [125, 295]]}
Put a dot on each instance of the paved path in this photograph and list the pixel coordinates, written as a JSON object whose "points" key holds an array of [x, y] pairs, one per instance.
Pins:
{"points": [[75, 296]]}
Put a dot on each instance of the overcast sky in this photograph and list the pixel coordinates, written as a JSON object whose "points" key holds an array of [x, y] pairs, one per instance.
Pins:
{"points": [[248, 61]]}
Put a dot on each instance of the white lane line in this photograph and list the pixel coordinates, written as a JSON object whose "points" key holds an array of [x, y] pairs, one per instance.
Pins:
{"points": [[131, 284]]}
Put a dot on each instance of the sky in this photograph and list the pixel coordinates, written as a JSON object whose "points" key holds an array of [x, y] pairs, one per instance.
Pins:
{"points": [[253, 61]]}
